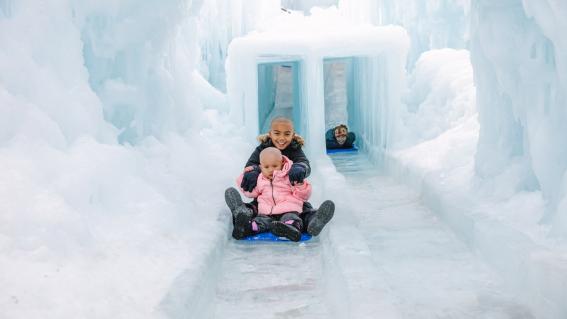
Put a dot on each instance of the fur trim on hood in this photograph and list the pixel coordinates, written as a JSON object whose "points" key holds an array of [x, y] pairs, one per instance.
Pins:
{"points": [[263, 138]]}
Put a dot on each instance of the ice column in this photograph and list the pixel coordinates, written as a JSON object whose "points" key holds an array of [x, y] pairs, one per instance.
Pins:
{"points": [[219, 22], [314, 123], [520, 74]]}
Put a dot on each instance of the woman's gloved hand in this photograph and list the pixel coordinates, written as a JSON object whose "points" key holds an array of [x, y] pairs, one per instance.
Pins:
{"points": [[297, 173], [250, 178]]}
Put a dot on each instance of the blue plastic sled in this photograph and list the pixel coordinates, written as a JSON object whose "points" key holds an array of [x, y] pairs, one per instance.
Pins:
{"points": [[342, 150], [272, 237]]}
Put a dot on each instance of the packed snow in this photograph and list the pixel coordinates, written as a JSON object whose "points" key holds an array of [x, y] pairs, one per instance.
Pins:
{"points": [[121, 124]]}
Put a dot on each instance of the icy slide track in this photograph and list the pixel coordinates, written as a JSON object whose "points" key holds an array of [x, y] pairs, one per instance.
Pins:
{"points": [[385, 256]]}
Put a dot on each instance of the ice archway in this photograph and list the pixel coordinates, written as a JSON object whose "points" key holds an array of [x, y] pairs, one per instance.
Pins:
{"points": [[376, 58]]}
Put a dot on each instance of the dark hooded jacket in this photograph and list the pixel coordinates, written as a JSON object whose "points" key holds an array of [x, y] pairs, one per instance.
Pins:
{"points": [[332, 143], [292, 151]]}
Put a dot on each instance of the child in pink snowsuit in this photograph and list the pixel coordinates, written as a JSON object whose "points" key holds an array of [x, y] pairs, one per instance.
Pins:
{"points": [[279, 202]]}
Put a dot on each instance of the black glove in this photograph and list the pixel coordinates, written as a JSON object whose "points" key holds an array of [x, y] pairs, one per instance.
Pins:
{"points": [[250, 179], [297, 173]]}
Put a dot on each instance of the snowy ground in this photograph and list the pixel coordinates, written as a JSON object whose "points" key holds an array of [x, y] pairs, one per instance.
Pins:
{"points": [[273, 280], [384, 255], [431, 273]]}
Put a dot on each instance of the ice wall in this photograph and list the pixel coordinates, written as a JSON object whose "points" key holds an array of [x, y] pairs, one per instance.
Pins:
{"points": [[220, 21], [430, 24], [337, 76], [41, 69], [139, 57], [306, 5], [76, 207], [519, 54]]}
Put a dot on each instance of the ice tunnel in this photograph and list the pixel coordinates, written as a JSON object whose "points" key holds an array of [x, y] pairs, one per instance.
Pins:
{"points": [[319, 77]]}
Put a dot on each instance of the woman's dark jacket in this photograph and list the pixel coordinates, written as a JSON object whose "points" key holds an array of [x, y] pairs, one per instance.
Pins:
{"points": [[332, 143]]}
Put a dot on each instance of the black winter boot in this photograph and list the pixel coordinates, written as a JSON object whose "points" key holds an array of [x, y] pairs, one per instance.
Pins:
{"points": [[232, 199], [242, 222], [321, 218], [284, 230]]}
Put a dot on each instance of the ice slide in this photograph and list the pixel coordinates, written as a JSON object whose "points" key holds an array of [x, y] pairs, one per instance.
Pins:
{"points": [[384, 256]]}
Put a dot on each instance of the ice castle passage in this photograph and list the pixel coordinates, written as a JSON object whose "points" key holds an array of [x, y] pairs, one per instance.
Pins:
{"points": [[273, 73]]}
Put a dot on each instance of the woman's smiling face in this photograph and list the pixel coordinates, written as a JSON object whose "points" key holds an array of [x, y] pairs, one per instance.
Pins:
{"points": [[281, 134]]}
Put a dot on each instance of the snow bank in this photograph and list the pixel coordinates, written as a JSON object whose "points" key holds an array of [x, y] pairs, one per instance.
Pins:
{"points": [[87, 224], [440, 122], [499, 181], [440, 94], [492, 215], [107, 221]]}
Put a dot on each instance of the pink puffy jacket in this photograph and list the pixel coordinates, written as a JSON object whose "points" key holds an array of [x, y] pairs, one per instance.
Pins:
{"points": [[278, 196]]}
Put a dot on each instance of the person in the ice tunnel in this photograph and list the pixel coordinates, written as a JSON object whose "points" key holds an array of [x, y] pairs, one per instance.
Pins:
{"points": [[279, 202], [281, 136], [339, 137]]}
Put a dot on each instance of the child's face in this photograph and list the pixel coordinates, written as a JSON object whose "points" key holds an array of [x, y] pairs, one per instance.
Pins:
{"points": [[269, 164], [281, 134]]}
